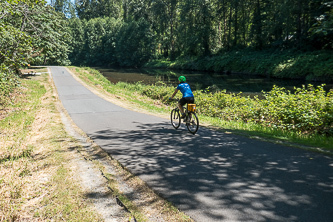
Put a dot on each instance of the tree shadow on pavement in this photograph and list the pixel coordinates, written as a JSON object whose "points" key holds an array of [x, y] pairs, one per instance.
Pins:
{"points": [[213, 176]]}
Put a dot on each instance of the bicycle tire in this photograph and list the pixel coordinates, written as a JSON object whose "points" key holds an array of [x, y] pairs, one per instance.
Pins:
{"points": [[193, 124], [175, 118]]}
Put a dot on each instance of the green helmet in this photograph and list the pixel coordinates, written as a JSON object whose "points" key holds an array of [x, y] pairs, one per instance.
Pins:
{"points": [[182, 79]]}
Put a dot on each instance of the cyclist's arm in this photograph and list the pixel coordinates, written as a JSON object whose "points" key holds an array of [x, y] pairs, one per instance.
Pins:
{"points": [[176, 90]]}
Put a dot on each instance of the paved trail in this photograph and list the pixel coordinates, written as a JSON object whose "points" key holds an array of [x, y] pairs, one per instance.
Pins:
{"points": [[211, 176]]}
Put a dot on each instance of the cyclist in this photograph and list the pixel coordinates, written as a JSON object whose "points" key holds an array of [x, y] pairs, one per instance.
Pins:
{"points": [[188, 96]]}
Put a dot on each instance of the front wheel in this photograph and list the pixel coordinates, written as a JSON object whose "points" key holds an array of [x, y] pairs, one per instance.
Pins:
{"points": [[193, 123], [175, 118]]}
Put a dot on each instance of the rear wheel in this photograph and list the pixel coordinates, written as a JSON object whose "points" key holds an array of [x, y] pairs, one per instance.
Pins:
{"points": [[193, 123], [175, 118]]}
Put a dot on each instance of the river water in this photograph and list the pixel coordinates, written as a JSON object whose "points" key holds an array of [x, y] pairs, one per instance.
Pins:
{"points": [[201, 80]]}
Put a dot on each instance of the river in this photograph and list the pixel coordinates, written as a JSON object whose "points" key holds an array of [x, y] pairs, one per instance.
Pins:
{"points": [[201, 80]]}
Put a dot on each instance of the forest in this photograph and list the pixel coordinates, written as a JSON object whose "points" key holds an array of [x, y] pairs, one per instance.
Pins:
{"points": [[282, 38], [204, 35]]}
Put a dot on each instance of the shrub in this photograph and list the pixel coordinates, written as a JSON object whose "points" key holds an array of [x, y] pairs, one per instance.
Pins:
{"points": [[306, 110], [8, 82]]}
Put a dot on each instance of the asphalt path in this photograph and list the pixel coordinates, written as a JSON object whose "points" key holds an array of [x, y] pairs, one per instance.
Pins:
{"points": [[211, 176]]}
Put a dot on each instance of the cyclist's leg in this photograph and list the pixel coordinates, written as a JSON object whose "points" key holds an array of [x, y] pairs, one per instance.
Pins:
{"points": [[193, 126], [190, 100], [181, 103]]}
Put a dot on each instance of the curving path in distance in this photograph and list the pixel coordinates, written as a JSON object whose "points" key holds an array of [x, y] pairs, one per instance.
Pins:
{"points": [[211, 176]]}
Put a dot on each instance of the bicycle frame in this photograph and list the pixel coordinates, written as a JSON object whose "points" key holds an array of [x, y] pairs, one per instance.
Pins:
{"points": [[191, 120]]}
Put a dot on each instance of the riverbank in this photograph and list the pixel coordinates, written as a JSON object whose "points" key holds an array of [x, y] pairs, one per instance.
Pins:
{"points": [[235, 109], [288, 64]]}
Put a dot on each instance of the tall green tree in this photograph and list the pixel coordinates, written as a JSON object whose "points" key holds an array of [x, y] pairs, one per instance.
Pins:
{"points": [[322, 30], [203, 27], [109, 40], [94, 32], [76, 31], [89, 9], [36, 31], [30, 32], [135, 43], [65, 6], [195, 31], [164, 20]]}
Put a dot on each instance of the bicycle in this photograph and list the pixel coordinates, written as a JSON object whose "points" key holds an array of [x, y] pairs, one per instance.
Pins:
{"points": [[191, 119]]}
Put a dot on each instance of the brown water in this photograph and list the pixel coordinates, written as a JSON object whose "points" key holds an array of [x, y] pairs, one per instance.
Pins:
{"points": [[202, 80]]}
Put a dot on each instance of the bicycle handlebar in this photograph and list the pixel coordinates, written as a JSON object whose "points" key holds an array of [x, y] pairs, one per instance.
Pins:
{"points": [[173, 99]]}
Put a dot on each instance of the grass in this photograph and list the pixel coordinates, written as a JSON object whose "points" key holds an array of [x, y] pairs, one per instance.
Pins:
{"points": [[312, 142], [36, 180], [131, 96]]}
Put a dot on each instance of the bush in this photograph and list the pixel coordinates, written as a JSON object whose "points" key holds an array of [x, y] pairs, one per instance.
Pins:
{"points": [[306, 110], [8, 82]]}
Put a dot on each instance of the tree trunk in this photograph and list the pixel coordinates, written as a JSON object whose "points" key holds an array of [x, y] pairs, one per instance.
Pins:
{"points": [[236, 24]]}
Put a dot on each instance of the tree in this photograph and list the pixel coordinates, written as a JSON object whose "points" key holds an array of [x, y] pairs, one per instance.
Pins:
{"points": [[76, 46], [32, 32], [15, 43], [89, 9], [202, 27], [164, 21], [109, 40], [94, 32], [257, 27], [135, 43], [322, 30], [64, 6], [195, 31]]}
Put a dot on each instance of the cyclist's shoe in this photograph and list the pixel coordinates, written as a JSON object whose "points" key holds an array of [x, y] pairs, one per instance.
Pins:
{"points": [[183, 116]]}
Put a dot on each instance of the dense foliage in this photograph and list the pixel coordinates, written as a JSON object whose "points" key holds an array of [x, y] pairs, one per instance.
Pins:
{"points": [[290, 64], [109, 41], [306, 110], [202, 27], [203, 35], [288, 39], [30, 32], [281, 38]]}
